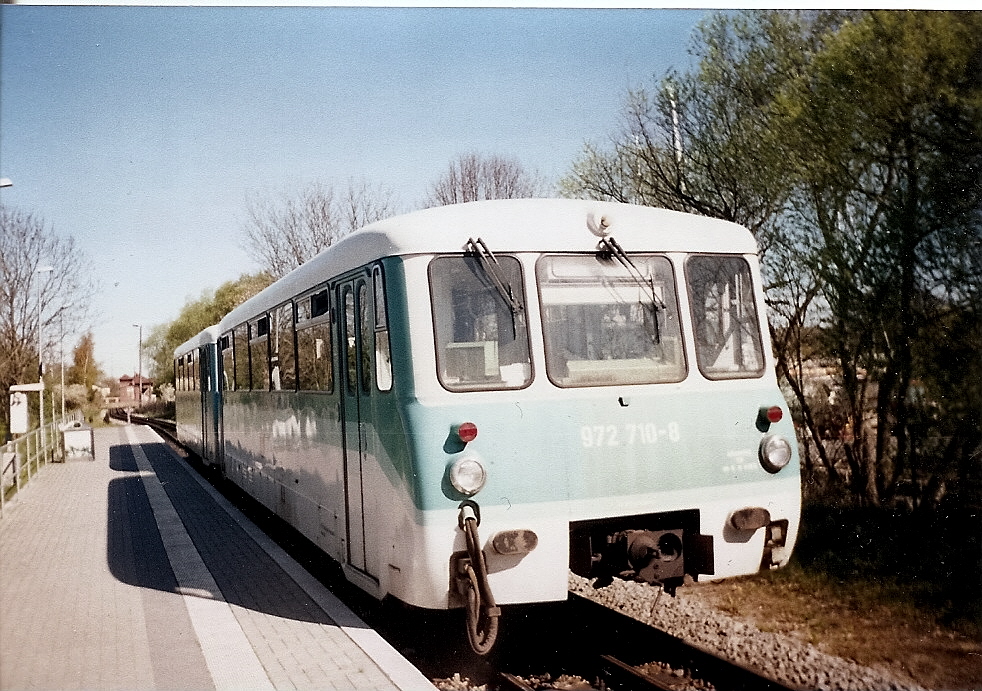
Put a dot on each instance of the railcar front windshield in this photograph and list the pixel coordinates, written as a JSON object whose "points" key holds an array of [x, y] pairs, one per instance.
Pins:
{"points": [[724, 316], [605, 324], [480, 323]]}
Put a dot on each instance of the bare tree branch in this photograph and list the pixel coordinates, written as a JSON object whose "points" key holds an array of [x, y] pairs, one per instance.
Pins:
{"points": [[31, 297], [472, 177], [280, 235]]}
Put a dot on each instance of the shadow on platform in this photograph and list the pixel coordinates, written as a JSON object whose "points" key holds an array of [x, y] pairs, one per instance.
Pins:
{"points": [[246, 575]]}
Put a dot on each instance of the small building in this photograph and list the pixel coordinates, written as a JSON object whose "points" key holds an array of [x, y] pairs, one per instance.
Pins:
{"points": [[135, 390]]}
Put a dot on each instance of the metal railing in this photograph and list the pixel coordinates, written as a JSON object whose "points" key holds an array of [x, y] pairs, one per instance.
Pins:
{"points": [[21, 459]]}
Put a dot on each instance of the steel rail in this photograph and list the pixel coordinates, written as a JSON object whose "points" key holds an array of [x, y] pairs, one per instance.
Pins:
{"points": [[641, 643]]}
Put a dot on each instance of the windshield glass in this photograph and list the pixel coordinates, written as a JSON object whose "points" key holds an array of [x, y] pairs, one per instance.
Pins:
{"points": [[605, 324], [724, 317], [481, 331]]}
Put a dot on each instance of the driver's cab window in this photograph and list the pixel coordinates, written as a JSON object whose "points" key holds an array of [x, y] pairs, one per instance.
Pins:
{"points": [[480, 323], [724, 317]]}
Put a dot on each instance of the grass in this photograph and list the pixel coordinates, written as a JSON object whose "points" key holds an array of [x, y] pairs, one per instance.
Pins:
{"points": [[921, 561], [897, 590]]}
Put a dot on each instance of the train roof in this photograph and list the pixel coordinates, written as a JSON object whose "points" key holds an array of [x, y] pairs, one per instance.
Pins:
{"points": [[203, 337], [514, 225]]}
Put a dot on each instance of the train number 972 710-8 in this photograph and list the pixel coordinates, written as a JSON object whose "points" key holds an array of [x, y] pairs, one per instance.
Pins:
{"points": [[629, 434]]}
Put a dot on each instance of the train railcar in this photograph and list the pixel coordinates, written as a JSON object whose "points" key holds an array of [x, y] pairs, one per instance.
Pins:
{"points": [[464, 403], [197, 394]]}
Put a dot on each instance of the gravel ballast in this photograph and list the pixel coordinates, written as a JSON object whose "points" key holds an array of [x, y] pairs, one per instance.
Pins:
{"points": [[783, 658]]}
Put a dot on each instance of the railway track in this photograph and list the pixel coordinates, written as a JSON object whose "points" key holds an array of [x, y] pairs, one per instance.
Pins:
{"points": [[167, 427], [608, 650], [612, 674], [579, 644]]}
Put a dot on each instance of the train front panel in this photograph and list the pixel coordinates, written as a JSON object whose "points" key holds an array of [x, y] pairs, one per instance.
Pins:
{"points": [[592, 428]]}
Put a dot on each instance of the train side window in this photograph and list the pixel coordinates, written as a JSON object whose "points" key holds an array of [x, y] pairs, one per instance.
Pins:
{"points": [[228, 361], [240, 350], [282, 355], [724, 317], [479, 323], [204, 373], [192, 373], [320, 303], [351, 356], [259, 353], [179, 373], [383, 352], [365, 322], [314, 344]]}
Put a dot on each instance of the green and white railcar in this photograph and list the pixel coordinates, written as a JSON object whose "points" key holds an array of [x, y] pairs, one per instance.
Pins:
{"points": [[461, 404], [197, 394]]}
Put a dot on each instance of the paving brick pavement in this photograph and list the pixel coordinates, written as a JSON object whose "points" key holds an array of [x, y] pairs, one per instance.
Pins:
{"points": [[131, 572]]}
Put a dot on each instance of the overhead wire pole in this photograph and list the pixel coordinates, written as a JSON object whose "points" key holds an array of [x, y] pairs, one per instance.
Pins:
{"points": [[677, 138]]}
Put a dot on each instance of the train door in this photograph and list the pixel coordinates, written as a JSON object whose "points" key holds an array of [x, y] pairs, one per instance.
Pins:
{"points": [[216, 398], [204, 391], [211, 441], [354, 299]]}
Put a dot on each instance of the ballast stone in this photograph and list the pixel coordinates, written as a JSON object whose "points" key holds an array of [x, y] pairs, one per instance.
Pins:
{"points": [[784, 658]]}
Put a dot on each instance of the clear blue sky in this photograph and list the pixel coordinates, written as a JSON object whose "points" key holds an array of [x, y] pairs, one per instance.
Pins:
{"points": [[142, 131]]}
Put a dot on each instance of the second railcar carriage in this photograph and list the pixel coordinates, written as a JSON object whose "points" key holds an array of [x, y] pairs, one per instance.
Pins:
{"points": [[463, 403], [197, 394]]}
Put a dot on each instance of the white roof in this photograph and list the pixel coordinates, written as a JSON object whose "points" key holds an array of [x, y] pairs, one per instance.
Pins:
{"points": [[204, 337], [514, 225]]}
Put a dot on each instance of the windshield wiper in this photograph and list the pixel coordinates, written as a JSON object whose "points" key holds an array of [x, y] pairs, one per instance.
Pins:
{"points": [[609, 247], [492, 268]]}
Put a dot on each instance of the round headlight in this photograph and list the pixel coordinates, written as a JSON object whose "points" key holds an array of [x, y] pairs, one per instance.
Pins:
{"points": [[775, 452], [467, 476]]}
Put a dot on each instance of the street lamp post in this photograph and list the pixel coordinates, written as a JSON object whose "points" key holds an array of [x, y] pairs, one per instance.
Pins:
{"points": [[139, 364], [61, 346], [61, 365], [41, 270]]}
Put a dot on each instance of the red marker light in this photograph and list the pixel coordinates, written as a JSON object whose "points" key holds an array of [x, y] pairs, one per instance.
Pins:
{"points": [[774, 414], [467, 431]]}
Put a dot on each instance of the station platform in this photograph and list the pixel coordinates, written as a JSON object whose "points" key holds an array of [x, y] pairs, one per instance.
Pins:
{"points": [[132, 572]]}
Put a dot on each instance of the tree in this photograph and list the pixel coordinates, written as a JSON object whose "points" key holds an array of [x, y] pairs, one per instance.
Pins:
{"points": [[84, 369], [77, 385], [472, 177], [706, 141], [195, 316], [281, 235], [32, 297], [885, 122]]}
